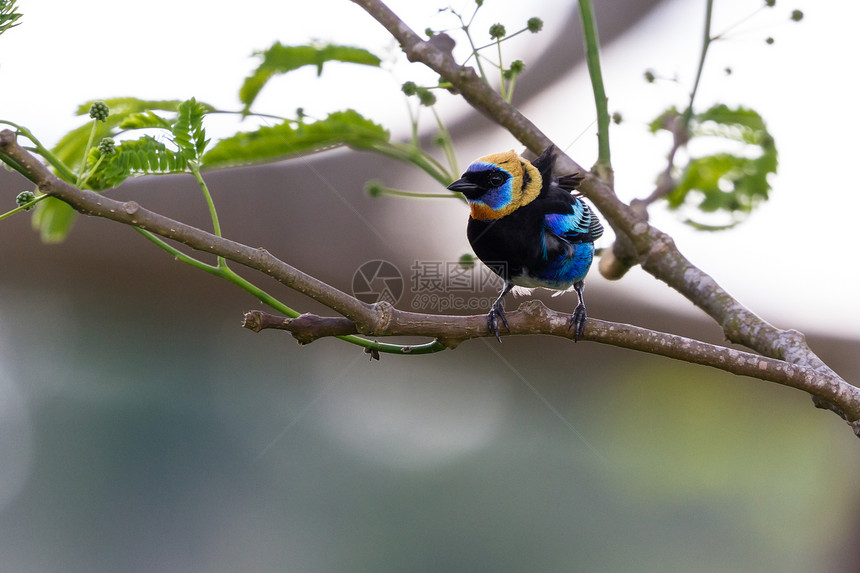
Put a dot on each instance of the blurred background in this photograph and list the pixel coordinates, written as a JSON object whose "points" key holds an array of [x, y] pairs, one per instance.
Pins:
{"points": [[142, 429]]}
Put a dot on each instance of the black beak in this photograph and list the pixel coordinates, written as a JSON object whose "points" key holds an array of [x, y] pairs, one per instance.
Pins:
{"points": [[467, 188]]}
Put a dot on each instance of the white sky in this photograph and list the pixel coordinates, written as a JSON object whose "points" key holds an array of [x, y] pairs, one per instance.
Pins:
{"points": [[800, 245]]}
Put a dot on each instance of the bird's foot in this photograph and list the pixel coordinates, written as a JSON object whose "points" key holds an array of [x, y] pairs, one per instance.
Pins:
{"points": [[493, 317], [577, 320]]}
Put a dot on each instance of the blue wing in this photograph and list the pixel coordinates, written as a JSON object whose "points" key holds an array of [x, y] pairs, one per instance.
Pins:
{"points": [[579, 225], [567, 244]]}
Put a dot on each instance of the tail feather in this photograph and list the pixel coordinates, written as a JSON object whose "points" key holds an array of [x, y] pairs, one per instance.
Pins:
{"points": [[571, 182], [595, 229]]}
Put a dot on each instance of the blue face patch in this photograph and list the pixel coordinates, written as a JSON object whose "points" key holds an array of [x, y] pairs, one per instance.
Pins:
{"points": [[497, 197]]}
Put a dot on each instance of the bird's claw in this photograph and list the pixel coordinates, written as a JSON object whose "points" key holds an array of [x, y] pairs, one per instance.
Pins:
{"points": [[496, 313], [577, 319]]}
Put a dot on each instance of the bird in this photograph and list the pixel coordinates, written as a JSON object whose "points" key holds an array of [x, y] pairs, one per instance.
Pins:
{"points": [[528, 227]]}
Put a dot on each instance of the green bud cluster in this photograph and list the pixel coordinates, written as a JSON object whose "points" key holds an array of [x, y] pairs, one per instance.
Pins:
{"points": [[517, 67], [497, 31], [425, 96], [107, 146], [373, 188], [99, 111], [25, 197], [534, 25]]}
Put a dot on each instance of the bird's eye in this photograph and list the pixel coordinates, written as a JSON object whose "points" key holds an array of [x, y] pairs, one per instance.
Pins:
{"points": [[496, 179]]}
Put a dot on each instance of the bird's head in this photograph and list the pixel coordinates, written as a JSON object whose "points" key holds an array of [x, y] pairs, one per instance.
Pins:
{"points": [[498, 184]]}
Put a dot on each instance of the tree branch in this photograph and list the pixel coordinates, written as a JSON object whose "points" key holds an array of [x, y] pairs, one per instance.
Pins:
{"points": [[654, 249], [533, 317], [382, 319]]}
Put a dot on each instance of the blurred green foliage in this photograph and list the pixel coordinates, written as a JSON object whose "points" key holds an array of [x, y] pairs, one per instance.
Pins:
{"points": [[729, 182]]}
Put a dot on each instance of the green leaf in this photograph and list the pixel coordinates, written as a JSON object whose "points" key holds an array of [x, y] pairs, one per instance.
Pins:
{"points": [[187, 130], [664, 120], [144, 156], [124, 106], [741, 117], [280, 59], [733, 182], [289, 138], [70, 149], [144, 120], [53, 219], [712, 228], [8, 15]]}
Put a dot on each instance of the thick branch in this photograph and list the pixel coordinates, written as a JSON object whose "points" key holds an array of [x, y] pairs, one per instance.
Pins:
{"points": [[654, 249], [533, 317]]}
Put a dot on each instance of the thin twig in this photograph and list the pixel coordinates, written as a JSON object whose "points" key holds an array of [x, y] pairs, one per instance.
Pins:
{"points": [[706, 43], [601, 102]]}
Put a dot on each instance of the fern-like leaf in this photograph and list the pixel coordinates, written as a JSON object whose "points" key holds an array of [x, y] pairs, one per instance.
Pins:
{"points": [[187, 130], [144, 156], [54, 218], [286, 139], [8, 15], [144, 120], [280, 59], [70, 148]]}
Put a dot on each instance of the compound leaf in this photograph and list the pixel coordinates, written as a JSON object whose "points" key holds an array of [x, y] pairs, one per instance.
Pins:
{"points": [[280, 59], [286, 139]]}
